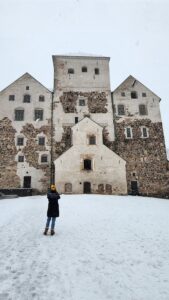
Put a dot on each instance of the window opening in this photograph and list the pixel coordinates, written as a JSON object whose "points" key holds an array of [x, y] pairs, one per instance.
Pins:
{"points": [[121, 109], [134, 95], [87, 164]]}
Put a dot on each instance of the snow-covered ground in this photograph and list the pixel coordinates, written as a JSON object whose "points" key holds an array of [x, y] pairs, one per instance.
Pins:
{"points": [[105, 247]]}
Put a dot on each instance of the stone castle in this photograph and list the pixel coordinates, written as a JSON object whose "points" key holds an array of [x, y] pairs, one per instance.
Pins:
{"points": [[81, 135]]}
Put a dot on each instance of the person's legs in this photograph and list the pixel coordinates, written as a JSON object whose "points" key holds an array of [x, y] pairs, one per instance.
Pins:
{"points": [[47, 225], [53, 226], [48, 222]]}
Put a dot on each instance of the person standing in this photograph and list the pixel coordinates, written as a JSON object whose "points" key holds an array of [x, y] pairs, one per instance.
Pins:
{"points": [[53, 209]]}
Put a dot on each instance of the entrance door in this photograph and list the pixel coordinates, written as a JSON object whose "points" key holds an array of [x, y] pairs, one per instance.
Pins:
{"points": [[86, 187], [27, 182], [134, 188]]}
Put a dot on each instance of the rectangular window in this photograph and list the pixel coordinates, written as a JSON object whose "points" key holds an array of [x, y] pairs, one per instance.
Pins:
{"points": [[142, 110], [20, 158], [81, 102], [38, 114], [44, 158], [134, 95], [11, 97], [76, 120], [19, 115], [41, 141], [87, 164], [144, 95], [27, 87], [123, 94], [96, 71], [92, 140], [20, 141], [27, 98], [128, 133], [121, 110], [144, 132]]}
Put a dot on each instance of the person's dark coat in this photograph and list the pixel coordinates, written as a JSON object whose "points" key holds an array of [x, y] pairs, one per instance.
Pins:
{"points": [[53, 205]]}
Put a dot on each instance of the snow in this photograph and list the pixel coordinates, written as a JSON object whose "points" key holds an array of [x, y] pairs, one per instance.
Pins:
{"points": [[105, 247]]}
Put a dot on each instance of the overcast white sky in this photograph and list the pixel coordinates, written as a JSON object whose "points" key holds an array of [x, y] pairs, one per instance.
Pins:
{"points": [[135, 34]]}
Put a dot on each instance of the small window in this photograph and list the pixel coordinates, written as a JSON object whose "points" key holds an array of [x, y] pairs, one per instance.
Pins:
{"points": [[96, 71], [41, 98], [19, 115], [87, 164], [26, 98], [144, 95], [76, 120], [134, 95], [144, 131], [71, 71], [38, 114], [128, 133], [20, 141], [121, 111], [123, 94], [142, 110], [44, 158], [27, 87], [41, 140], [20, 158], [84, 69], [11, 97], [92, 140], [81, 102], [68, 188]]}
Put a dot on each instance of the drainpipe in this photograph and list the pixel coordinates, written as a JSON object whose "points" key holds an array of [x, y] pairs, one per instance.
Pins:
{"points": [[52, 166]]}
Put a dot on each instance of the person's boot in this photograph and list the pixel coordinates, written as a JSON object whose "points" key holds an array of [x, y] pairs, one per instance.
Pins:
{"points": [[46, 231], [52, 232]]}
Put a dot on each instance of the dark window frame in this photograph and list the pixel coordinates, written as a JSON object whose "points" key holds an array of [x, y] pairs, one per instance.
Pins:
{"points": [[38, 114], [19, 114], [97, 71], [134, 95], [71, 71], [41, 98], [120, 109], [20, 141], [92, 140], [142, 110], [82, 102], [44, 158], [41, 140], [87, 163], [11, 97], [26, 98], [20, 158], [84, 69]]}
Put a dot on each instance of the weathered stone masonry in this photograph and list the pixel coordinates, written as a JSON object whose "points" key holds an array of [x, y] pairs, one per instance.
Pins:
{"points": [[146, 158]]}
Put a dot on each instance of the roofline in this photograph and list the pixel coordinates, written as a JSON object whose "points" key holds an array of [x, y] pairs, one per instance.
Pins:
{"points": [[139, 82], [20, 78], [81, 56], [90, 120]]}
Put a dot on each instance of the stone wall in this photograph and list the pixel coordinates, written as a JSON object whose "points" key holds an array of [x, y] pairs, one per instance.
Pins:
{"points": [[96, 101], [64, 144], [8, 151], [31, 150], [146, 158]]}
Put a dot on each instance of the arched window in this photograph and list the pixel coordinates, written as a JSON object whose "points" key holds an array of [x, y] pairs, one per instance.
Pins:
{"points": [[84, 69], [26, 98], [71, 71]]}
